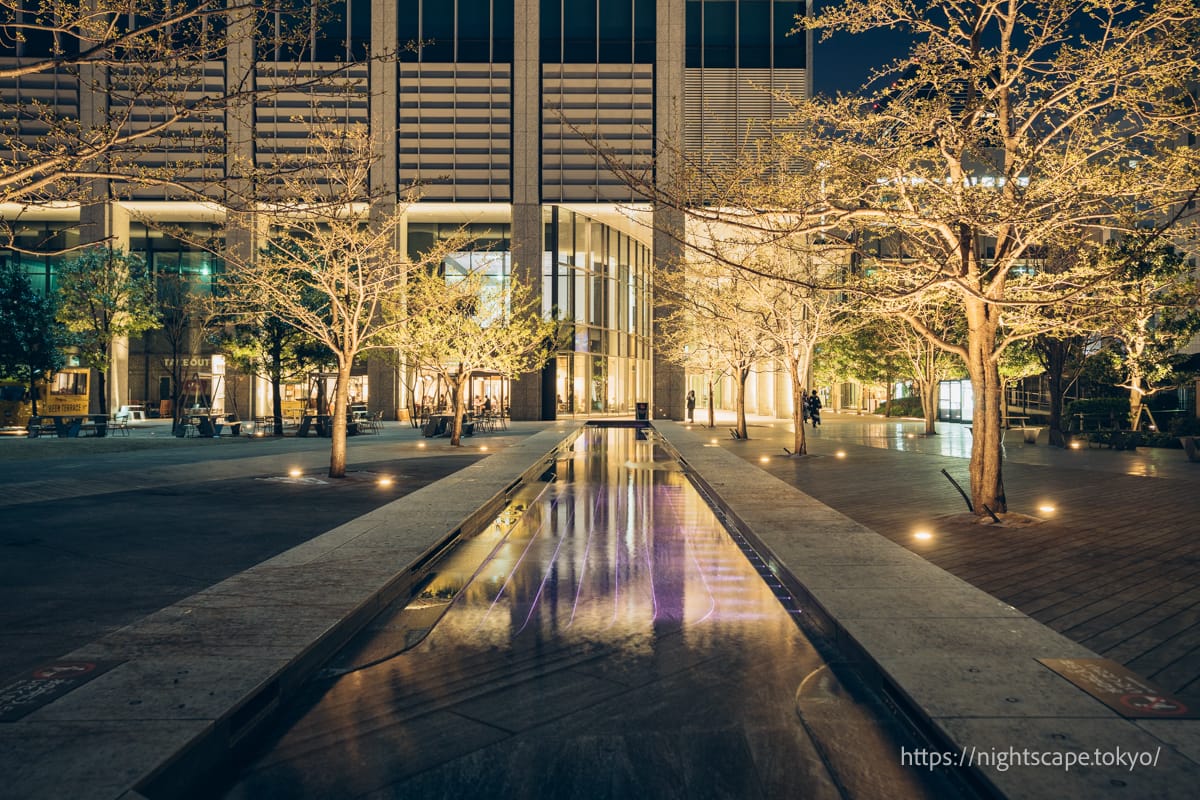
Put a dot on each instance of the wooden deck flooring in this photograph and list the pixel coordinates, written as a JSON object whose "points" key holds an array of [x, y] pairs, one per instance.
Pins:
{"points": [[1116, 565]]}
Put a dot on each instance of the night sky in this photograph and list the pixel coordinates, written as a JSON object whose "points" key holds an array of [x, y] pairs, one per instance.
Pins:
{"points": [[843, 63]]}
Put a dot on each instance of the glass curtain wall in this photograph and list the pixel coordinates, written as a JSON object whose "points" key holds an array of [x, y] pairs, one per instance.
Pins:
{"points": [[744, 33], [40, 248], [596, 281]]}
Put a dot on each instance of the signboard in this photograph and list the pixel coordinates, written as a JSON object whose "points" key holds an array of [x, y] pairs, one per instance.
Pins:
{"points": [[47, 683], [1123, 691]]}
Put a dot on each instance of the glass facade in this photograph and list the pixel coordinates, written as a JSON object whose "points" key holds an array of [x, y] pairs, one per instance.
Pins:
{"points": [[596, 281], [744, 33], [456, 31], [40, 247], [315, 30], [181, 255], [597, 31]]}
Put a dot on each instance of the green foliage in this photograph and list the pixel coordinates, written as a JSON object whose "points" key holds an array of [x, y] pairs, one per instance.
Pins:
{"points": [[104, 294], [1185, 426], [905, 407], [1106, 411], [30, 337]]}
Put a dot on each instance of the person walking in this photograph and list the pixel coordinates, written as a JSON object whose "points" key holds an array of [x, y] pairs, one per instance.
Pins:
{"points": [[814, 409], [691, 405]]}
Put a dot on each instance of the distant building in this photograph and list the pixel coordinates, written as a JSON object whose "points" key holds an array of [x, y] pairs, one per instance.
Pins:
{"points": [[490, 103]]}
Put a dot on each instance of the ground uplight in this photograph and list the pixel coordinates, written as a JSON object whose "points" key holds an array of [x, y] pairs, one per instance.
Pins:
{"points": [[295, 473], [420, 445], [712, 441], [840, 454], [385, 482], [1074, 445], [483, 448], [764, 459], [1046, 508], [923, 535]]}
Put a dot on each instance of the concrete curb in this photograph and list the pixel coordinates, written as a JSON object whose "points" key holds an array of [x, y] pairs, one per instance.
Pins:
{"points": [[196, 678], [957, 660]]}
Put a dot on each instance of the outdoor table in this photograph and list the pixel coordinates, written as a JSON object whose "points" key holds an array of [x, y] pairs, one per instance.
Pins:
{"points": [[71, 425]]}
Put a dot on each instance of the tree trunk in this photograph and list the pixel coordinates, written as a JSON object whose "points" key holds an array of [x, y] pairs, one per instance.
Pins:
{"points": [[277, 387], [337, 450], [887, 396], [33, 393], [799, 440], [459, 388], [987, 483], [712, 410], [102, 387], [742, 374], [1136, 393], [1056, 363], [929, 395]]}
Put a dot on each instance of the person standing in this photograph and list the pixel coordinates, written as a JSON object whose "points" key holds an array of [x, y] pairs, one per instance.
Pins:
{"points": [[691, 405], [814, 409]]}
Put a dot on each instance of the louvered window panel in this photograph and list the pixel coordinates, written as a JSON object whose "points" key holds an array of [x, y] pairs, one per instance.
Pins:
{"points": [[284, 119], [455, 137], [727, 109], [589, 110]]}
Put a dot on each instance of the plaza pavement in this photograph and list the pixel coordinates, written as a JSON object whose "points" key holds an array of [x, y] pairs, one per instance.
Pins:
{"points": [[100, 532], [192, 679], [1114, 566]]}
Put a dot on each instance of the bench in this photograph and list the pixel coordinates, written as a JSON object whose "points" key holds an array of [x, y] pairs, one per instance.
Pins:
{"points": [[1030, 433]]}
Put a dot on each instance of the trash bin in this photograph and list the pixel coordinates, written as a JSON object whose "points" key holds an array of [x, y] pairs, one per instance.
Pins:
{"points": [[643, 411]]}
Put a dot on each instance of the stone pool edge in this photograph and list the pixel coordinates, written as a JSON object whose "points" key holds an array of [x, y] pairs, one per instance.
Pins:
{"points": [[957, 660]]}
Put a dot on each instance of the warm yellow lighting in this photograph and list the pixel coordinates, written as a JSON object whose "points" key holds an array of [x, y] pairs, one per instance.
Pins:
{"points": [[910, 436], [1046, 508], [385, 482], [295, 473], [687, 427], [764, 459], [1074, 445], [258, 433], [840, 454], [923, 535], [712, 441], [420, 445], [483, 447]]}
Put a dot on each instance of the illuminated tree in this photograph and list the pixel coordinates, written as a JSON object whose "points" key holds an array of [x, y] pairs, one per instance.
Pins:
{"points": [[717, 313], [1011, 126], [321, 267], [104, 294], [458, 322]]}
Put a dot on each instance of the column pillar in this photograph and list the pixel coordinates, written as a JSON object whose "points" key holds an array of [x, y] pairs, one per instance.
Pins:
{"points": [[528, 227], [668, 378], [386, 374]]}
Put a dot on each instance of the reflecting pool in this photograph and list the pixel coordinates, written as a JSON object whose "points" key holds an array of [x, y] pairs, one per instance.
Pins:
{"points": [[605, 638]]}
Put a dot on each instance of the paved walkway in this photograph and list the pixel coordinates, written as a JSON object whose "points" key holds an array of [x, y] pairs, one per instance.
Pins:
{"points": [[1112, 566], [98, 533]]}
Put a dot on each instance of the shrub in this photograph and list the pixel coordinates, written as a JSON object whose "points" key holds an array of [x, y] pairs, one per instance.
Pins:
{"points": [[1110, 411], [905, 407], [1184, 426]]}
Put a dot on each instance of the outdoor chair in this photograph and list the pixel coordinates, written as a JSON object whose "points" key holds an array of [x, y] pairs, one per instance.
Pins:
{"points": [[120, 423]]}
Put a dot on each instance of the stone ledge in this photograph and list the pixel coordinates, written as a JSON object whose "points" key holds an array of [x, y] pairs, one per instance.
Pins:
{"points": [[961, 661], [201, 675]]}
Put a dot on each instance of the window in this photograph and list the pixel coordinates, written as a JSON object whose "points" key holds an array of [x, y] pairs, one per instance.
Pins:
{"points": [[789, 50], [754, 33], [579, 34], [616, 32], [720, 28]]}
